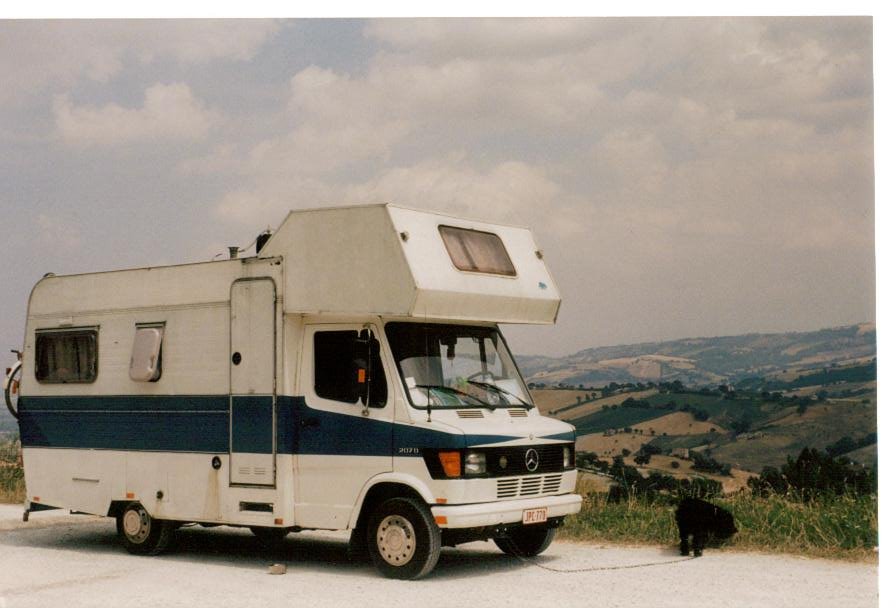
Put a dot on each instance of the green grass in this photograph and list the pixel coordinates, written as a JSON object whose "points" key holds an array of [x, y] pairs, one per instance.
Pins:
{"points": [[836, 527], [12, 485], [12, 478]]}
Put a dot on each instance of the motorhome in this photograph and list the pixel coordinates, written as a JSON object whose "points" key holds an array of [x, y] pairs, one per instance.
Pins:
{"points": [[350, 375]]}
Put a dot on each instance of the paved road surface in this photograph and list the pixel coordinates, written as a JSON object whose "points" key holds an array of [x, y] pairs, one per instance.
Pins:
{"points": [[65, 560]]}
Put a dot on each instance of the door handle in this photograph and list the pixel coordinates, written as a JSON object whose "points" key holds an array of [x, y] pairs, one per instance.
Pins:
{"points": [[309, 422]]}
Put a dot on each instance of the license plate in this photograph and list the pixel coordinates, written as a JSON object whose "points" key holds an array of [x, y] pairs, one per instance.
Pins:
{"points": [[535, 516]]}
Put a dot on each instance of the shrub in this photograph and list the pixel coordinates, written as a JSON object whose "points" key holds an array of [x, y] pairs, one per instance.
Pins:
{"points": [[814, 474]]}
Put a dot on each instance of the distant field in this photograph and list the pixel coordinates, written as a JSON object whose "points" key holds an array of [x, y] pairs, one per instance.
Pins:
{"points": [[619, 418], [718, 408], [678, 423], [820, 426], [674, 424], [551, 399], [595, 406], [608, 446]]}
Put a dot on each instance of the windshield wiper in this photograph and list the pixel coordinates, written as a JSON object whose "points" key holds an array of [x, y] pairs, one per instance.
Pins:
{"points": [[451, 389], [502, 391]]}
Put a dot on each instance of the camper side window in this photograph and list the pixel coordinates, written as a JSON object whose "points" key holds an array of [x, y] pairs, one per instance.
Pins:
{"points": [[66, 357], [146, 357], [336, 370], [477, 251]]}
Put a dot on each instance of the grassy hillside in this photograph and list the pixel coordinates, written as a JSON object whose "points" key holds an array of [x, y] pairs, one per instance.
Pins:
{"points": [[744, 429]]}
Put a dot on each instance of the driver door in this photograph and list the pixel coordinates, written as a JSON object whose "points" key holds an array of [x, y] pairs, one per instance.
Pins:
{"points": [[342, 444]]}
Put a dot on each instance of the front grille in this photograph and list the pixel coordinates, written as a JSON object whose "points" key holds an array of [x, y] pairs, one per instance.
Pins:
{"points": [[535, 485], [512, 460]]}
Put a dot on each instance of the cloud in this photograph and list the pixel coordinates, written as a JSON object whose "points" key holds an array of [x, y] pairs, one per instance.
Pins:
{"points": [[692, 161], [510, 192], [169, 112], [41, 55]]}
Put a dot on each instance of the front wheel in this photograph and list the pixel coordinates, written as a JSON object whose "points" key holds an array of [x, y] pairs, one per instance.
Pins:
{"points": [[526, 541], [403, 539], [142, 534]]}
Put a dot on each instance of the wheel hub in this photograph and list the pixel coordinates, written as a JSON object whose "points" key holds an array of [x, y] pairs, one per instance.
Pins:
{"points": [[136, 525], [396, 541]]}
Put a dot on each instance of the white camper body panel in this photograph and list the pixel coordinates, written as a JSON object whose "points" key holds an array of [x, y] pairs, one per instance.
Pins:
{"points": [[193, 301]]}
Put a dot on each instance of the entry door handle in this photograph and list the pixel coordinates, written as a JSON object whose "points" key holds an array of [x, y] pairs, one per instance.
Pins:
{"points": [[309, 422]]}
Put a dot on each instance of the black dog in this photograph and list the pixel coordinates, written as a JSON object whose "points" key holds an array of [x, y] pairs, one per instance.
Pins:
{"points": [[702, 520]]}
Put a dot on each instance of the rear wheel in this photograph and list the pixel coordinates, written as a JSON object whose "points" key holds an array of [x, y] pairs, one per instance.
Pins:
{"points": [[403, 539], [142, 534], [526, 541]]}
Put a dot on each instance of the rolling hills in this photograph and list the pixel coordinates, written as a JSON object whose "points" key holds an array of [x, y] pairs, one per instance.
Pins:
{"points": [[705, 361], [744, 429]]}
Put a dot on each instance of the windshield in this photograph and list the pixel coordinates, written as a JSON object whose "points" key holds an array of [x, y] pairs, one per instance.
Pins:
{"points": [[456, 366]]}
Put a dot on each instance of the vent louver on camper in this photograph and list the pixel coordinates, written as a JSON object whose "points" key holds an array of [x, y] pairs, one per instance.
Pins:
{"points": [[470, 414]]}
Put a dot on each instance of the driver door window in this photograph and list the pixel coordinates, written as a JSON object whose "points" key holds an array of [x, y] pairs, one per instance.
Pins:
{"points": [[338, 363]]}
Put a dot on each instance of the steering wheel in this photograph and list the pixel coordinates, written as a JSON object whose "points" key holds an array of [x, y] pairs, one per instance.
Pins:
{"points": [[483, 374]]}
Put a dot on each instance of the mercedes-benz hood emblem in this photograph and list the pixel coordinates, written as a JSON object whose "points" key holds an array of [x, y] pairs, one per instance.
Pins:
{"points": [[531, 460]]}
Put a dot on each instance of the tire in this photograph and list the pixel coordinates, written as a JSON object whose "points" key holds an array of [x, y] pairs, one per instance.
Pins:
{"points": [[142, 534], [526, 541], [269, 536], [403, 539]]}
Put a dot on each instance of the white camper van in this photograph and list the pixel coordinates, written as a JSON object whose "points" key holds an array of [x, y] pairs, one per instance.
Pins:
{"points": [[349, 376]]}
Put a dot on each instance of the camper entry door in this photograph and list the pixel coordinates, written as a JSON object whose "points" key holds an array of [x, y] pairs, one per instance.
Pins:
{"points": [[252, 380]]}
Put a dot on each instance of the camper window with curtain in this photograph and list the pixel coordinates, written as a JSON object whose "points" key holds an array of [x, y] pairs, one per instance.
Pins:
{"points": [[64, 357]]}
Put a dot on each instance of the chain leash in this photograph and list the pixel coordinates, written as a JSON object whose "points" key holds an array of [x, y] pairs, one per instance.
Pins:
{"points": [[527, 560]]}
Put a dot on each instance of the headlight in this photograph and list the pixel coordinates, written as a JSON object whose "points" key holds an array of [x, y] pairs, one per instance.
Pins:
{"points": [[567, 457], [474, 463]]}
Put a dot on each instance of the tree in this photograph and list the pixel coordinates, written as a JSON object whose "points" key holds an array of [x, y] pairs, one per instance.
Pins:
{"points": [[741, 425], [814, 473]]}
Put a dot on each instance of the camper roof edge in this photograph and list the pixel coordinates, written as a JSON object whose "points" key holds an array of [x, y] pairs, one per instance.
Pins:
{"points": [[391, 258]]}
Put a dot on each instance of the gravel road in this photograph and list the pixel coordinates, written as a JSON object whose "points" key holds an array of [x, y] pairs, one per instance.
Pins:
{"points": [[69, 560]]}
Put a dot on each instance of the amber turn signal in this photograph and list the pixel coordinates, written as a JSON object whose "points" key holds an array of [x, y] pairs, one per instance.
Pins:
{"points": [[450, 463]]}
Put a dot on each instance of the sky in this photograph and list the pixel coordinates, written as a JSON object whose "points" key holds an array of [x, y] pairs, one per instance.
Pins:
{"points": [[683, 176]]}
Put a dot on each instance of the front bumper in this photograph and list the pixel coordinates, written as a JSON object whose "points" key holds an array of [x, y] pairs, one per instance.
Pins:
{"points": [[504, 512]]}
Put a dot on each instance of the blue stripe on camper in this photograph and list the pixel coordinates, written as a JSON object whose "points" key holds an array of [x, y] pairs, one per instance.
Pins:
{"points": [[201, 423], [193, 423], [252, 420], [566, 436], [304, 430]]}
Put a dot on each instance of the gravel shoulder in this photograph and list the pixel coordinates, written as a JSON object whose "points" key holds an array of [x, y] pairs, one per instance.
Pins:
{"points": [[70, 560]]}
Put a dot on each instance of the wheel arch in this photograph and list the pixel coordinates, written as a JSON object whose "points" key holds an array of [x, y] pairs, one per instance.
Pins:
{"points": [[384, 487]]}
